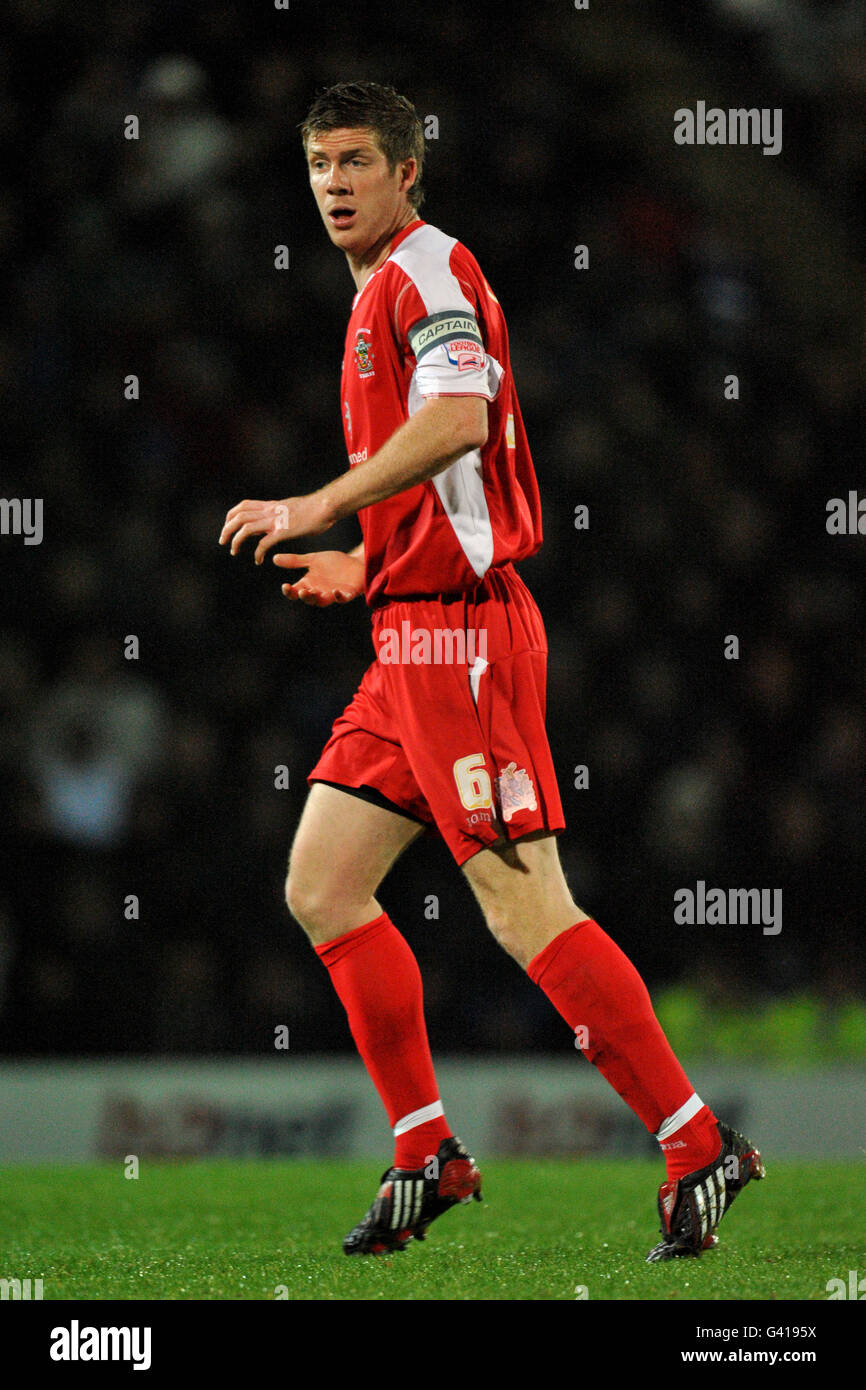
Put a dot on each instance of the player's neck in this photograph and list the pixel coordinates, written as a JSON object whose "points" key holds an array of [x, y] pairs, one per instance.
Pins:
{"points": [[366, 265]]}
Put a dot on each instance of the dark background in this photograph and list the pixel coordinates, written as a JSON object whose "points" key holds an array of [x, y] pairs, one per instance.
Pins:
{"points": [[155, 777]]}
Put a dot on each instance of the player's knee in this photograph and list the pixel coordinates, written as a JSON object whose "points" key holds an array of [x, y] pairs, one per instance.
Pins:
{"points": [[307, 904], [320, 906], [508, 934]]}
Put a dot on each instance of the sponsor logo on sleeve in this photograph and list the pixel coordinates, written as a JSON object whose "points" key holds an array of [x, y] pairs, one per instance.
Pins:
{"points": [[465, 355]]}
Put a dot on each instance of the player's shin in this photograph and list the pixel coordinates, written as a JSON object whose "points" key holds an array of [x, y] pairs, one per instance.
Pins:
{"points": [[377, 978], [597, 990]]}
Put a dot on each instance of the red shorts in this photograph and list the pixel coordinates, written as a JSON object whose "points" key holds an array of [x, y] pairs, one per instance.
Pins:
{"points": [[448, 722]]}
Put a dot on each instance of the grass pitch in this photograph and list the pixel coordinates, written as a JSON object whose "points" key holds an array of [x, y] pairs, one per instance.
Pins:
{"points": [[546, 1230]]}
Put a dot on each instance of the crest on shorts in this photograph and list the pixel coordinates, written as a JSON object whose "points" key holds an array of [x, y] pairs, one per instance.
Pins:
{"points": [[515, 790], [363, 353]]}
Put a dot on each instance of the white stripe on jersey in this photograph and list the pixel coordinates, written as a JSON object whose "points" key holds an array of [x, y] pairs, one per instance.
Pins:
{"points": [[461, 491], [425, 257]]}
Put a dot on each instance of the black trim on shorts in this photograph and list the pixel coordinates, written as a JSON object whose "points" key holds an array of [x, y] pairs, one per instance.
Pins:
{"points": [[375, 797]]}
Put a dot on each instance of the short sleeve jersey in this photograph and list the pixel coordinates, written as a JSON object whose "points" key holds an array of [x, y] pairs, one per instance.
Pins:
{"points": [[427, 324]]}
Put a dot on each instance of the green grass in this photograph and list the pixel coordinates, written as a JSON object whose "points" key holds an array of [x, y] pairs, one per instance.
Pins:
{"points": [[238, 1230]]}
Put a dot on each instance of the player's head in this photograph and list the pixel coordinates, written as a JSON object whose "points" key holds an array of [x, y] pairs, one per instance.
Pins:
{"points": [[390, 117], [364, 145]]}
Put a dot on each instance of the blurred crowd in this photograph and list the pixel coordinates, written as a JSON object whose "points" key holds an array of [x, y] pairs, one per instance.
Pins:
{"points": [[151, 687]]}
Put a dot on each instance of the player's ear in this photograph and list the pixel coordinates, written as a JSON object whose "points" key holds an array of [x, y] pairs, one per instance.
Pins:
{"points": [[409, 173]]}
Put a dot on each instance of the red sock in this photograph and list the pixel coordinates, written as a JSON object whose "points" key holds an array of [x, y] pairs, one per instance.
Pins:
{"points": [[595, 987], [377, 978], [692, 1143]]}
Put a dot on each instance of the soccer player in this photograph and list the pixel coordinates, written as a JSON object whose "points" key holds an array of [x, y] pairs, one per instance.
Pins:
{"points": [[447, 727]]}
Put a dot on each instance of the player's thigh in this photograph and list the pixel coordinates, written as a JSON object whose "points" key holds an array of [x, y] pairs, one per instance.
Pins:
{"points": [[343, 848], [523, 894]]}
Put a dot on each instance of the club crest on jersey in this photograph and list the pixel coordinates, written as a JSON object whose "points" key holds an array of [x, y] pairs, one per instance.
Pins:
{"points": [[363, 353], [465, 355], [515, 790]]}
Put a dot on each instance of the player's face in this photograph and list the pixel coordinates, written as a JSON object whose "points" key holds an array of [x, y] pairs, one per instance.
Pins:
{"points": [[362, 201]]}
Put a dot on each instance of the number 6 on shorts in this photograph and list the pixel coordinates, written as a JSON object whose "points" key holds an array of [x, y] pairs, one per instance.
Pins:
{"points": [[473, 783]]}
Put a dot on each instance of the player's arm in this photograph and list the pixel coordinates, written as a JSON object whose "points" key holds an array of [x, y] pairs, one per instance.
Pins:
{"points": [[445, 428], [440, 432]]}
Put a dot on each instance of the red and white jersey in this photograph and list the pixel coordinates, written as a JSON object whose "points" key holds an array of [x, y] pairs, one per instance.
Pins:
{"points": [[428, 324]]}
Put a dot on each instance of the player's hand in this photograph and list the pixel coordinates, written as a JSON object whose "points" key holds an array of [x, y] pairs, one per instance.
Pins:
{"points": [[331, 577], [275, 522]]}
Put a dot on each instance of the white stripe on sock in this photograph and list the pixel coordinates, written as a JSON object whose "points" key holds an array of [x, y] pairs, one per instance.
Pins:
{"points": [[419, 1117], [679, 1118]]}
